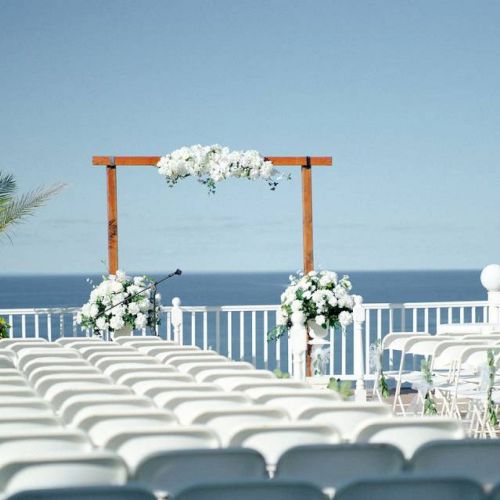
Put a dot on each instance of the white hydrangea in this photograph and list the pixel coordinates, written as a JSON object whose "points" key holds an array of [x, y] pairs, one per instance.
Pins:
{"points": [[324, 300], [118, 301], [212, 164]]}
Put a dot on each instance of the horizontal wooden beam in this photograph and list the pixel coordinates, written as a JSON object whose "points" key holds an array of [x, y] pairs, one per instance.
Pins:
{"points": [[151, 161]]}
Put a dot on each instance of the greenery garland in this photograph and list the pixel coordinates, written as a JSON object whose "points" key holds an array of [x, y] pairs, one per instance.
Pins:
{"points": [[429, 405], [490, 405]]}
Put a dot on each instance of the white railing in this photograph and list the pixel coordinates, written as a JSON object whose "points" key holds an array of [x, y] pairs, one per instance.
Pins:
{"points": [[240, 332]]}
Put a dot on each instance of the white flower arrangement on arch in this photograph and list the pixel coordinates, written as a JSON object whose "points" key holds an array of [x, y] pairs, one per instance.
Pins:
{"points": [[118, 302], [212, 164], [319, 297]]}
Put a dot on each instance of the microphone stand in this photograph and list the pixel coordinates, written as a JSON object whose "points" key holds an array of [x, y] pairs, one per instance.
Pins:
{"points": [[152, 286]]}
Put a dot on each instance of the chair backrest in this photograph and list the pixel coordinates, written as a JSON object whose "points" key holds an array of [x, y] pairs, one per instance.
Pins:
{"points": [[162, 350], [162, 391], [449, 351], [131, 379], [187, 406], [79, 404], [176, 470], [5, 343], [276, 383], [272, 440], [412, 488], [397, 340], [117, 371], [52, 362], [127, 339], [409, 433], [228, 379], [227, 421], [6, 361], [345, 416], [179, 358], [275, 490], [331, 466], [89, 493], [70, 341], [472, 458], [459, 328], [58, 395], [97, 468], [136, 445], [16, 444]]}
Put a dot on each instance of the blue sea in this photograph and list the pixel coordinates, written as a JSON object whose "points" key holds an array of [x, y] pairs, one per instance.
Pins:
{"points": [[247, 288]]}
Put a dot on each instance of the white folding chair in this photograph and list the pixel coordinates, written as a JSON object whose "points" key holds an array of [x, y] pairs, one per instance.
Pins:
{"points": [[97, 468], [409, 433], [187, 406], [272, 440], [166, 350], [197, 369], [74, 405], [12, 421], [109, 361], [45, 371], [6, 343], [178, 360], [155, 389], [225, 422], [43, 384], [28, 355], [26, 406], [127, 339], [147, 375], [59, 393], [23, 443], [71, 341], [296, 400], [229, 378], [135, 445], [117, 370], [6, 361], [277, 383], [345, 416], [53, 362], [96, 418]]}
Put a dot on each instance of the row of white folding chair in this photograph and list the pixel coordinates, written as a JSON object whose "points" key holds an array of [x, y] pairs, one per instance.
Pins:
{"points": [[421, 345], [63, 456]]}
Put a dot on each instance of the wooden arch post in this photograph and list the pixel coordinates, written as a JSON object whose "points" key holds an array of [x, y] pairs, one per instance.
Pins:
{"points": [[304, 162]]}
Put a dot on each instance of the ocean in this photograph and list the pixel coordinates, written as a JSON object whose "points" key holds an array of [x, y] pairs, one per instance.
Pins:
{"points": [[215, 289]]}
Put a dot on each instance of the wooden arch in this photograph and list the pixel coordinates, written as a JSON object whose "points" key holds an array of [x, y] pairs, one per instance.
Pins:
{"points": [[304, 162]]}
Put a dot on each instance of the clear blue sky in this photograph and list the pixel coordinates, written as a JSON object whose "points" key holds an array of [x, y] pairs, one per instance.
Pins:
{"points": [[404, 95]]}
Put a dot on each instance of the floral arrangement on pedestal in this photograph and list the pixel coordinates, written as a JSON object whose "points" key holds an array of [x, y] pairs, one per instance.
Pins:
{"points": [[212, 164], [316, 301], [120, 304]]}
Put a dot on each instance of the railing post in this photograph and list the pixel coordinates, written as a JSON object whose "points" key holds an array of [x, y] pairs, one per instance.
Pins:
{"points": [[177, 320], [490, 279], [359, 362], [298, 345]]}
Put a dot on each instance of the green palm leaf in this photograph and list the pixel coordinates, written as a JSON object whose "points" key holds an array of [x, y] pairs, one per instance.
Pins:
{"points": [[14, 210]]}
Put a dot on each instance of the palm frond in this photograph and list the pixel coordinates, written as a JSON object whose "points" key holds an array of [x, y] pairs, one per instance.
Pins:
{"points": [[15, 210], [7, 187]]}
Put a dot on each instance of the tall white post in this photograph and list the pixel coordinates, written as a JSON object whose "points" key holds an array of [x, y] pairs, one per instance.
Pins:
{"points": [[359, 358], [298, 345], [490, 279], [177, 320]]}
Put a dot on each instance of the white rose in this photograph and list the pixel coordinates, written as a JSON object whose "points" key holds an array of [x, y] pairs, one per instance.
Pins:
{"points": [[296, 305], [345, 318], [307, 294], [79, 318], [141, 321], [144, 305], [116, 322], [101, 323], [116, 287], [332, 301], [320, 320], [86, 310], [134, 308], [120, 275], [94, 310]]}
